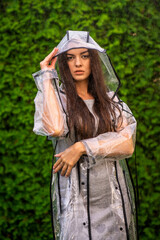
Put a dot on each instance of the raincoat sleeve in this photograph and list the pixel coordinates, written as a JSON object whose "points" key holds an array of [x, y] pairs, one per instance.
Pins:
{"points": [[49, 118], [113, 146]]}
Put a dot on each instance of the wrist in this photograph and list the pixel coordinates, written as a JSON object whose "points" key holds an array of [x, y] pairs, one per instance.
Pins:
{"points": [[80, 147]]}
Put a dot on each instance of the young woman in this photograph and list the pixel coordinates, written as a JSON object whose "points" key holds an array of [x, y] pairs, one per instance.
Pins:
{"points": [[93, 132]]}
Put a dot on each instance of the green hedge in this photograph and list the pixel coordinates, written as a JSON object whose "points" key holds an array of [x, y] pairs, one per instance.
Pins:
{"points": [[129, 30]]}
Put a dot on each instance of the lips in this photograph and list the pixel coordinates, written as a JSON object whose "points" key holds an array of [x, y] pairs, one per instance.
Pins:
{"points": [[79, 72]]}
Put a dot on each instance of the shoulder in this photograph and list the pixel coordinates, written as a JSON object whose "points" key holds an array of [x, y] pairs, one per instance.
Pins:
{"points": [[122, 106], [114, 97]]}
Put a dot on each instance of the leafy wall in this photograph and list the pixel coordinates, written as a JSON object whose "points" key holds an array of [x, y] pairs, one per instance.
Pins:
{"points": [[129, 30]]}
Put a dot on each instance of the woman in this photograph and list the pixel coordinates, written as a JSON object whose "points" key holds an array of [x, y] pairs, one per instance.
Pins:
{"points": [[93, 132]]}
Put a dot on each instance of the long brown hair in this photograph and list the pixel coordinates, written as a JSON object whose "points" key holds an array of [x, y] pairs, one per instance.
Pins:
{"points": [[80, 118]]}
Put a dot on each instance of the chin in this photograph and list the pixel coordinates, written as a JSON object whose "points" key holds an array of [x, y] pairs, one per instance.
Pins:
{"points": [[80, 78]]}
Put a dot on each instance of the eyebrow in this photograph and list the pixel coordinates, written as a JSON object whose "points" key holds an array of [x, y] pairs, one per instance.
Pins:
{"points": [[80, 53]]}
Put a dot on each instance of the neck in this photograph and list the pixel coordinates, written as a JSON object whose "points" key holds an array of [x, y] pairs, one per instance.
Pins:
{"points": [[82, 90]]}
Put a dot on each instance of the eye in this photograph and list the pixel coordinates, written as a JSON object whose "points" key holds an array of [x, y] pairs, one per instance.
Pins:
{"points": [[85, 56], [69, 58]]}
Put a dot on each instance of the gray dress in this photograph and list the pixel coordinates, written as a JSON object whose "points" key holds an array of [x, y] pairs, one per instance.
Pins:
{"points": [[97, 200], [106, 213]]}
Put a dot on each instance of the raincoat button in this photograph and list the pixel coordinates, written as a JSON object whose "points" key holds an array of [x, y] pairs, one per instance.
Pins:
{"points": [[121, 228], [84, 223], [116, 188], [82, 183]]}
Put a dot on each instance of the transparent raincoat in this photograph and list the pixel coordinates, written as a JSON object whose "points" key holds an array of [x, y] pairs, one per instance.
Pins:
{"points": [[97, 200]]}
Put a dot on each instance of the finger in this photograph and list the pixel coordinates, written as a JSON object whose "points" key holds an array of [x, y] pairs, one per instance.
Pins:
{"points": [[45, 63], [58, 167], [64, 169], [68, 171], [53, 63], [57, 163], [51, 55], [58, 154]]}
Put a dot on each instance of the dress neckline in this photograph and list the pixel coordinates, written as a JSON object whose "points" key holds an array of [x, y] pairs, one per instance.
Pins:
{"points": [[92, 100]]}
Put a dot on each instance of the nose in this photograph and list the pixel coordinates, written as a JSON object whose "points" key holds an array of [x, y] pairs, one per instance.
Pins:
{"points": [[78, 61]]}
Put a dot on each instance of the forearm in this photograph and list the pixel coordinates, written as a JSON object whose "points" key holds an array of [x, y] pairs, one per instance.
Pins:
{"points": [[49, 118], [123, 147], [52, 117], [111, 145]]}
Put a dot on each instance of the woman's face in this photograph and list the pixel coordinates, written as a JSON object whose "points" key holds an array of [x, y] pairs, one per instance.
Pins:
{"points": [[79, 64]]}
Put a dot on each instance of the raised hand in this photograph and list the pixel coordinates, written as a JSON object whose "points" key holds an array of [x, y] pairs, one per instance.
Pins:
{"points": [[49, 62]]}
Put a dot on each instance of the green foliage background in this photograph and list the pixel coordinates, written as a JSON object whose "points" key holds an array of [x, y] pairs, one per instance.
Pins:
{"points": [[129, 30]]}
